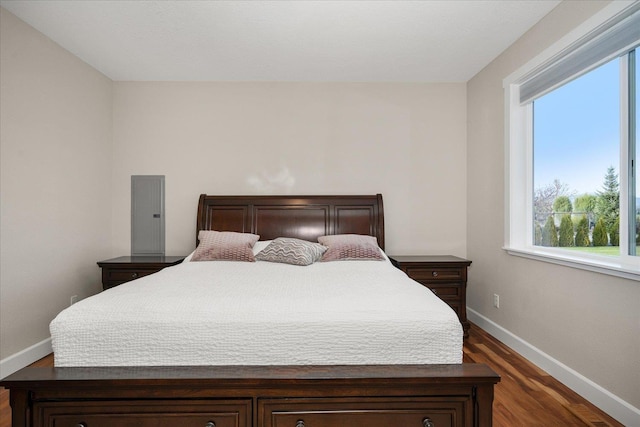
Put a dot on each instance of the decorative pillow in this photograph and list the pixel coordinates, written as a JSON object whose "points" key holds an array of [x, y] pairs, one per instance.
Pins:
{"points": [[225, 246], [260, 245], [347, 247], [288, 250]]}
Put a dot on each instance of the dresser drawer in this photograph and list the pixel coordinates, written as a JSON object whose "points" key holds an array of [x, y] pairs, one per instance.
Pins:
{"points": [[427, 275], [143, 414], [368, 418], [450, 412]]}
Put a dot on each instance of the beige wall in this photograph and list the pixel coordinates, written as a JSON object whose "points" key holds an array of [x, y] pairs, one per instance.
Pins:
{"points": [[55, 153], [406, 141], [588, 321], [71, 139]]}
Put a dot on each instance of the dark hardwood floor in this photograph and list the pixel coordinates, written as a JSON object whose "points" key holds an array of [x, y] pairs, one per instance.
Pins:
{"points": [[525, 395]]}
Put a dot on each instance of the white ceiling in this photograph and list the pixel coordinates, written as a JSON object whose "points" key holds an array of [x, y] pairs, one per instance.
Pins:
{"points": [[355, 41]]}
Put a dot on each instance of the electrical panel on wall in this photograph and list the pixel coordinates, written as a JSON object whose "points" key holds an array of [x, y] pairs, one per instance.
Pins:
{"points": [[147, 215]]}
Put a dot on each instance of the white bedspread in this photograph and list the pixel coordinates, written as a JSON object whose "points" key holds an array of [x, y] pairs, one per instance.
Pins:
{"points": [[230, 313]]}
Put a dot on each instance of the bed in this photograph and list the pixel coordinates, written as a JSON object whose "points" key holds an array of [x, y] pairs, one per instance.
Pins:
{"points": [[383, 355]]}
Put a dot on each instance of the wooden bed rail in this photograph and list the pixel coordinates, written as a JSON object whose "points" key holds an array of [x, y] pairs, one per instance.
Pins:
{"points": [[261, 396]]}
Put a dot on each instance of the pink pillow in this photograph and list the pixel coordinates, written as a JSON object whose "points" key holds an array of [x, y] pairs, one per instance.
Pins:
{"points": [[348, 247], [225, 246]]}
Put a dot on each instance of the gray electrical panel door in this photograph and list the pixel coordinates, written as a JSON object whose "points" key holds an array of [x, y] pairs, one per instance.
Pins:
{"points": [[147, 215]]}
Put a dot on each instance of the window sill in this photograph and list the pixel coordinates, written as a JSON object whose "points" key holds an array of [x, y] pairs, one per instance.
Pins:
{"points": [[595, 264]]}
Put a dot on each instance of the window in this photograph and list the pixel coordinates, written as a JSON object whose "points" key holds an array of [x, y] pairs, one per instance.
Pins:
{"points": [[571, 149], [576, 157]]}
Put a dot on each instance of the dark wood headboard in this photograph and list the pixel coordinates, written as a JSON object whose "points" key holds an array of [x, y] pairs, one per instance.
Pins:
{"points": [[303, 217]]}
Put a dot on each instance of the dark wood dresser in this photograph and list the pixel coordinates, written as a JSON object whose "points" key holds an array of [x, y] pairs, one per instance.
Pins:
{"points": [[445, 275], [116, 271]]}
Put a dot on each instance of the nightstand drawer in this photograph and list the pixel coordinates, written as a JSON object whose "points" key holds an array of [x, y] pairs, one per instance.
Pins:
{"points": [[123, 269], [445, 292], [126, 275], [426, 275]]}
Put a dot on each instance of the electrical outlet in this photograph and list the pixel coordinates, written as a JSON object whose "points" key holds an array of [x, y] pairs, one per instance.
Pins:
{"points": [[496, 300], [73, 300]]}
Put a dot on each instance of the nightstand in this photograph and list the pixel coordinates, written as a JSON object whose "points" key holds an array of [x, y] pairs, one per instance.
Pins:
{"points": [[445, 275], [116, 271]]}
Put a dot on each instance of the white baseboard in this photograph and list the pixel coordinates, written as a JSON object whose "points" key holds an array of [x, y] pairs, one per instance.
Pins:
{"points": [[616, 407], [24, 358]]}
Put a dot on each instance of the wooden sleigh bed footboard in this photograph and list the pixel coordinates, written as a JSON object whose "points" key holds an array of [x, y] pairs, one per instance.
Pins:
{"points": [[459, 395], [260, 396]]}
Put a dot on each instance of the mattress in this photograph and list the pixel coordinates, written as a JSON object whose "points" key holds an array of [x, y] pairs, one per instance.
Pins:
{"points": [[262, 313]]}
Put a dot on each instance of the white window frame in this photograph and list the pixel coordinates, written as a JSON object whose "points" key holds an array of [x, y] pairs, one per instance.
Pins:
{"points": [[519, 164]]}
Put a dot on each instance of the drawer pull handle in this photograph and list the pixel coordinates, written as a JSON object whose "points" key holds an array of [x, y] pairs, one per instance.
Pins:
{"points": [[300, 423], [427, 422], [210, 424], [434, 273], [81, 425], [134, 275]]}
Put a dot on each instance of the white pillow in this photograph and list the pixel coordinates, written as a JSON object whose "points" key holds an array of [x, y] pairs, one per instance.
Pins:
{"points": [[260, 245]]}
